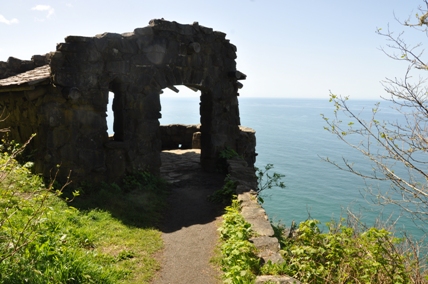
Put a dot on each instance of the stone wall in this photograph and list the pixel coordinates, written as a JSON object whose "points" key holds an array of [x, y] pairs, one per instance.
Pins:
{"points": [[246, 145], [136, 67], [69, 116], [181, 136]]}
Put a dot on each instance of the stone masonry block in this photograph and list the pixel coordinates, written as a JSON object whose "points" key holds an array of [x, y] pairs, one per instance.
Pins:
{"points": [[265, 243], [256, 216], [281, 279]]}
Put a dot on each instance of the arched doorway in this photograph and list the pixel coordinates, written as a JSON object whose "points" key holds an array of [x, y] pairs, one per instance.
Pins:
{"points": [[181, 107], [180, 122]]}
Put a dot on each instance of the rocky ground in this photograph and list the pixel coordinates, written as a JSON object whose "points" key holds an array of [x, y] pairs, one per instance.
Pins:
{"points": [[190, 226]]}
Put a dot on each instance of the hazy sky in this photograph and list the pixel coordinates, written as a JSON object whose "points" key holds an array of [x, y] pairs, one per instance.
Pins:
{"points": [[287, 48]]}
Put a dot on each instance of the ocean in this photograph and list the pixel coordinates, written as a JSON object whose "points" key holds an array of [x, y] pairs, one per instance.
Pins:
{"points": [[291, 136]]}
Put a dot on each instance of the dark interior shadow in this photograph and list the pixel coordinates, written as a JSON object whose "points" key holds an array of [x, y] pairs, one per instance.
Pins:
{"points": [[188, 202], [183, 203]]}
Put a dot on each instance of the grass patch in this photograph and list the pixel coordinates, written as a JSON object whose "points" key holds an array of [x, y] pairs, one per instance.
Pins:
{"points": [[106, 235]]}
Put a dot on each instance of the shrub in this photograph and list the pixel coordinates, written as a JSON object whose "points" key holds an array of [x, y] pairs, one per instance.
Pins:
{"points": [[239, 261], [344, 255]]}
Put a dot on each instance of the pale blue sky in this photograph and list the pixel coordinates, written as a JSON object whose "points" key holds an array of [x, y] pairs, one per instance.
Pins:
{"points": [[286, 48]]}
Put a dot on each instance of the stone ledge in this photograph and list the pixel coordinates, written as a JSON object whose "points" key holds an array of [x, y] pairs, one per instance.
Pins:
{"points": [[283, 279], [268, 249], [256, 216], [246, 198], [266, 244]]}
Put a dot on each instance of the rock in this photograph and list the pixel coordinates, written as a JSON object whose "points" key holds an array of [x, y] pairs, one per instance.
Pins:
{"points": [[282, 279], [256, 216]]}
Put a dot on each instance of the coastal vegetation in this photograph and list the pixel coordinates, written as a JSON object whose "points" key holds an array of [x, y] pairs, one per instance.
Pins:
{"points": [[238, 259], [106, 235], [347, 252]]}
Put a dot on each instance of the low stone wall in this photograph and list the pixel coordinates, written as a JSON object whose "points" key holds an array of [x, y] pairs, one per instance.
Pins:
{"points": [[179, 136], [188, 136], [267, 245]]}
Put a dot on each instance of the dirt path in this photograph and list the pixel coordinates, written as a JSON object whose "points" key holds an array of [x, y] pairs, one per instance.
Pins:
{"points": [[190, 226]]}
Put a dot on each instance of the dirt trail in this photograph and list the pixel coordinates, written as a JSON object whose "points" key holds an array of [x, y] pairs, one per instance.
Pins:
{"points": [[190, 227]]}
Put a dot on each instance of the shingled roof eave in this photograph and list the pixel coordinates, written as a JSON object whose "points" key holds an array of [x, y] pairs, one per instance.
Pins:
{"points": [[26, 80]]}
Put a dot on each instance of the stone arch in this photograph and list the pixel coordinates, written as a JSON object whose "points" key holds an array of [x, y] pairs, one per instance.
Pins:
{"points": [[136, 66]]}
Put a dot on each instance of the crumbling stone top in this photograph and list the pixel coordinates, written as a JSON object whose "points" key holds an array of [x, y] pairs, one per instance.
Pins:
{"points": [[28, 78]]}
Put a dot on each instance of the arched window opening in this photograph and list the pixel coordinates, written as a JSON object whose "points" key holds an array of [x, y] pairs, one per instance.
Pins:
{"points": [[110, 115], [180, 122], [115, 113]]}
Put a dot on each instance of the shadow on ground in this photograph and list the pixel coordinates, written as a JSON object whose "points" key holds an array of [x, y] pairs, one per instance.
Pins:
{"points": [[182, 203], [188, 202]]}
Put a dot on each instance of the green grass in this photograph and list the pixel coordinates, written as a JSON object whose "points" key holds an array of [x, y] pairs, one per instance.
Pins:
{"points": [[106, 235]]}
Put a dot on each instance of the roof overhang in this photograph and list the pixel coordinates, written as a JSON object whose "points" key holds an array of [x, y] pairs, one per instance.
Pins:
{"points": [[26, 81]]}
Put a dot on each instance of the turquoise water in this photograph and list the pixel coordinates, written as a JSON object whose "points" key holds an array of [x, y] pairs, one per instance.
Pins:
{"points": [[290, 134]]}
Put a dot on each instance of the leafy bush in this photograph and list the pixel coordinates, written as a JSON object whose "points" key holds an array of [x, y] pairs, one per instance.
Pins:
{"points": [[344, 255], [228, 153], [265, 180], [239, 261]]}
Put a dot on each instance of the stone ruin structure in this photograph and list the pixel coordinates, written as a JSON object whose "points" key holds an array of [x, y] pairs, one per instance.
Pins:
{"points": [[63, 97]]}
